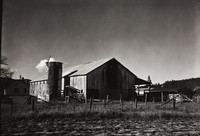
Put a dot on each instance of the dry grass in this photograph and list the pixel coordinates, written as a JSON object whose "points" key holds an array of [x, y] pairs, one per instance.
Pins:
{"points": [[111, 110]]}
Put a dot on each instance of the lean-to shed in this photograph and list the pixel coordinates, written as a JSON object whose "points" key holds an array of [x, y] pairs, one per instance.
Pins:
{"points": [[99, 79]]}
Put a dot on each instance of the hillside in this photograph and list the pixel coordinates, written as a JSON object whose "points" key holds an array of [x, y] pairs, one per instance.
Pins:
{"points": [[192, 83]]}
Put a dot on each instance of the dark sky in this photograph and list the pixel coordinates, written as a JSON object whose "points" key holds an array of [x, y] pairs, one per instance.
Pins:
{"points": [[160, 38]]}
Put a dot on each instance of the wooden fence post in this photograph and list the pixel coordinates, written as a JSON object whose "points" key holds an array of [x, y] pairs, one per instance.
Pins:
{"points": [[174, 102], [67, 99], [162, 97], [107, 98], [11, 107], [104, 102], [91, 104], [33, 104], [136, 103], [54, 103], [198, 99], [74, 105], [146, 99], [121, 101]]}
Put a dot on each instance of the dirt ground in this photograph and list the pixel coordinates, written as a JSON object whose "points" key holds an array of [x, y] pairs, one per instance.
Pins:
{"points": [[88, 126]]}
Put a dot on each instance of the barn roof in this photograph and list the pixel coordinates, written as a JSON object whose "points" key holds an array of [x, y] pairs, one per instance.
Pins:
{"points": [[84, 69]]}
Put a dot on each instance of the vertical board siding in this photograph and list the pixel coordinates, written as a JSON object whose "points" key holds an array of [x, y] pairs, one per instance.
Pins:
{"points": [[111, 79], [97, 83], [127, 84], [39, 89], [79, 82]]}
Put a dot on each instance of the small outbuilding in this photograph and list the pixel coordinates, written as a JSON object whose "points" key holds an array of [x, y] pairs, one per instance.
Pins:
{"points": [[165, 93], [14, 87]]}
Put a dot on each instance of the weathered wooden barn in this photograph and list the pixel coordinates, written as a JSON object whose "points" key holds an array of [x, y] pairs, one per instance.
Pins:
{"points": [[99, 79]]}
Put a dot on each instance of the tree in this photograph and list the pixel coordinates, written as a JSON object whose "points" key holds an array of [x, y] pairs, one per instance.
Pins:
{"points": [[149, 79], [6, 72]]}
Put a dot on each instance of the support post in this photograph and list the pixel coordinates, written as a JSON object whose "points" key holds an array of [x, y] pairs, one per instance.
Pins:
{"points": [[174, 102], [91, 103], [66, 99], [121, 101], [153, 99], [136, 103], [54, 103], [146, 99], [74, 105], [107, 98], [33, 104], [104, 101], [198, 99], [11, 107], [162, 97]]}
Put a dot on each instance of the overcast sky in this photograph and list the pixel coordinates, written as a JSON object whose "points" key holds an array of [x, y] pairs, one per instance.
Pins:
{"points": [[160, 38]]}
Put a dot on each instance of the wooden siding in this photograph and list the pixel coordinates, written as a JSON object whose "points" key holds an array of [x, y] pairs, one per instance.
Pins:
{"points": [[79, 82], [111, 79], [21, 88], [40, 90]]}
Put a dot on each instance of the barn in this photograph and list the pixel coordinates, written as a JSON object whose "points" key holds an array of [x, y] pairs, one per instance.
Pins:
{"points": [[101, 79]]}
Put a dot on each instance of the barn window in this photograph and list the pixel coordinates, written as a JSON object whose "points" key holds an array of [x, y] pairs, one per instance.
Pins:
{"points": [[16, 90]]}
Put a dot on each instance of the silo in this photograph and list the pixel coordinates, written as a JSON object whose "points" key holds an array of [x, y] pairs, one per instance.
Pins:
{"points": [[54, 80]]}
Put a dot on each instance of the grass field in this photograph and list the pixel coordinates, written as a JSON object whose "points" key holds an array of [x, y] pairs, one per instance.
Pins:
{"points": [[110, 119], [110, 110]]}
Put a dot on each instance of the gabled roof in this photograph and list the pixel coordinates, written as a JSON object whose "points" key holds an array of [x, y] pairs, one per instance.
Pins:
{"points": [[84, 69]]}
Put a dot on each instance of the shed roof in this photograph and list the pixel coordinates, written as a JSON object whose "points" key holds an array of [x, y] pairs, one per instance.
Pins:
{"points": [[184, 90], [140, 81], [163, 89], [84, 69]]}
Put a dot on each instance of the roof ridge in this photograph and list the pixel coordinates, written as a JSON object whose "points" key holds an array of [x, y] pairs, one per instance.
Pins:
{"points": [[85, 68]]}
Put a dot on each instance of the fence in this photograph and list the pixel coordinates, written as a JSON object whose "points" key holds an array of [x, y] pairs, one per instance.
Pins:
{"points": [[11, 107]]}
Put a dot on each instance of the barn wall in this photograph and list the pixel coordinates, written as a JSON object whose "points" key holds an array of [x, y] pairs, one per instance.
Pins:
{"points": [[79, 82], [126, 82], [97, 83], [40, 90], [112, 79], [21, 89]]}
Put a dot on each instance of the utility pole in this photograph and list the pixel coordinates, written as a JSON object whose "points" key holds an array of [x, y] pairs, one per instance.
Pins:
{"points": [[1, 91]]}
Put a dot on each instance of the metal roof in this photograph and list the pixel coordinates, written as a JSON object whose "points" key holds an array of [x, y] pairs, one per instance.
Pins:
{"points": [[84, 69], [41, 78]]}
